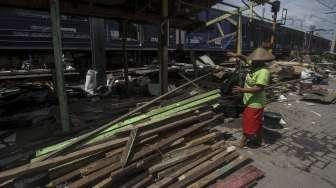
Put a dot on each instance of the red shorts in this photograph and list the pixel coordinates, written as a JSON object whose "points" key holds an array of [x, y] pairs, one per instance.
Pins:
{"points": [[252, 121]]}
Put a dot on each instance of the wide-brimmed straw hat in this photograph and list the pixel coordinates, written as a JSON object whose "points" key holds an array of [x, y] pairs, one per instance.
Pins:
{"points": [[260, 54]]}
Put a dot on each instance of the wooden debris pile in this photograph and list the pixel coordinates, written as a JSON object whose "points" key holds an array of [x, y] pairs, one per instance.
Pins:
{"points": [[171, 146]]}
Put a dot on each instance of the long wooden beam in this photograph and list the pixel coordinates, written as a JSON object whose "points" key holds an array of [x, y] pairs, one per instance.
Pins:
{"points": [[59, 68]]}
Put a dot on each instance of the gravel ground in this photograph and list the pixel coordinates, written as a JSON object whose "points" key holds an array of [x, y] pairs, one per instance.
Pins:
{"points": [[303, 153]]}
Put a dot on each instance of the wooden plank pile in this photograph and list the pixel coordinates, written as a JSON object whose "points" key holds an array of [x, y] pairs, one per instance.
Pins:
{"points": [[170, 146]]}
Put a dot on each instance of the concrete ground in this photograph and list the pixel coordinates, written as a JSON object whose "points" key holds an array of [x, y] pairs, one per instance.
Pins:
{"points": [[303, 153]]}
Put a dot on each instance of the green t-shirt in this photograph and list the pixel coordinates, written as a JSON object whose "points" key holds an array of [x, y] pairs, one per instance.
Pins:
{"points": [[258, 77]]}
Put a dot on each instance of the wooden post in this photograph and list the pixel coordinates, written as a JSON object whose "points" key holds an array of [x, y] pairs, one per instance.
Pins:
{"points": [[239, 33], [57, 45], [272, 46], [164, 36], [124, 51], [97, 32]]}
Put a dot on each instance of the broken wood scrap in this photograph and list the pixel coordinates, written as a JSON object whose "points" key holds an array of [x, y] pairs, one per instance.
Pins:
{"points": [[241, 178], [225, 170]]}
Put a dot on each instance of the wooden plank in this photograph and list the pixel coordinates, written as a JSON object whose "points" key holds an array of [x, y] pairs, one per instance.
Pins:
{"points": [[168, 171], [73, 165], [202, 139], [67, 177], [144, 183], [182, 122], [173, 177], [132, 169], [101, 163], [93, 167], [179, 158], [241, 178], [59, 67], [204, 169], [95, 177], [128, 150], [133, 181], [225, 170], [50, 163]]}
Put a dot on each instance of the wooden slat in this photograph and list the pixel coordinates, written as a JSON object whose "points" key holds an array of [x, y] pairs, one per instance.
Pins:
{"points": [[129, 150]]}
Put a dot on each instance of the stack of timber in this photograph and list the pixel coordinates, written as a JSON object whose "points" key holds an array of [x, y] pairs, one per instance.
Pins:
{"points": [[170, 146]]}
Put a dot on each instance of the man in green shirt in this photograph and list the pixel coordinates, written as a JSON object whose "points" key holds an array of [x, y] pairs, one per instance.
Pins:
{"points": [[254, 95]]}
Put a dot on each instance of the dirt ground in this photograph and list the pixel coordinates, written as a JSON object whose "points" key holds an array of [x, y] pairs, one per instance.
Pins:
{"points": [[303, 152]]}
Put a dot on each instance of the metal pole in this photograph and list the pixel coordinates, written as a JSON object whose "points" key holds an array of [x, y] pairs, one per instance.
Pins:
{"points": [[239, 33], [57, 44], [164, 36]]}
